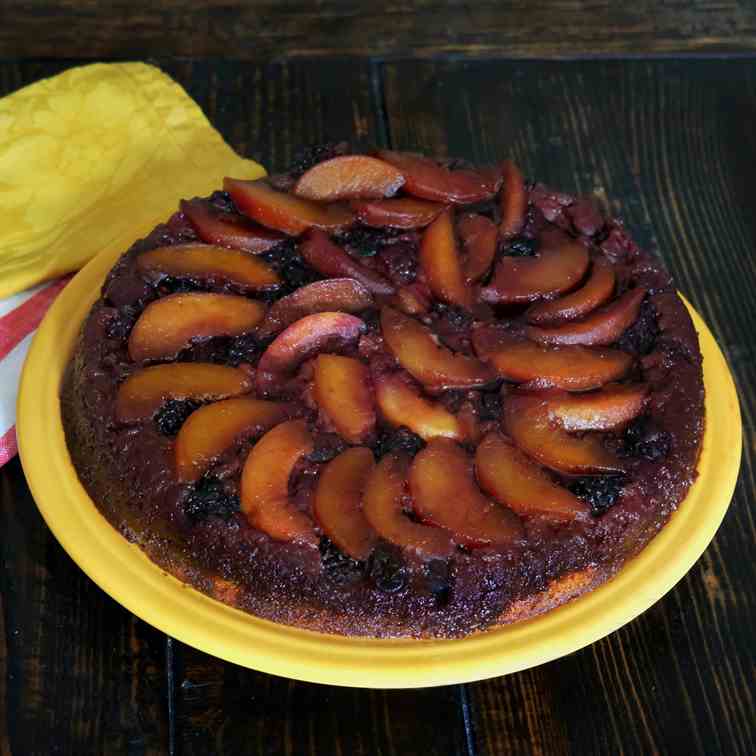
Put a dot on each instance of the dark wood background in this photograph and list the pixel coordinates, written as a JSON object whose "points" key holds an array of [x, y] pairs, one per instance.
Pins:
{"points": [[667, 143]]}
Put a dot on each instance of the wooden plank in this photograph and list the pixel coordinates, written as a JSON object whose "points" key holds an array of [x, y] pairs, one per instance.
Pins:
{"points": [[264, 30], [666, 145], [267, 112], [82, 675]]}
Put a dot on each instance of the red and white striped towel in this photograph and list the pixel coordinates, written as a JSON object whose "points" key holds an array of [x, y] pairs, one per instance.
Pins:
{"points": [[19, 317]]}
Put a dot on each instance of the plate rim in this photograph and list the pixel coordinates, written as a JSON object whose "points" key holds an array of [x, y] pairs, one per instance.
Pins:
{"points": [[123, 571]]}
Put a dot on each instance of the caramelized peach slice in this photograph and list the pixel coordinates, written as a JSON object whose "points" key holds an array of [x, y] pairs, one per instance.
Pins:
{"points": [[413, 299], [282, 211], [265, 484], [323, 331], [216, 226], [526, 420], [403, 212], [170, 324], [342, 391], [555, 270], [596, 291], [349, 177], [329, 259], [446, 495], [612, 407], [143, 392], [212, 429], [401, 404], [601, 327], [507, 475], [574, 368], [333, 295], [441, 263], [382, 505], [203, 262], [479, 236], [514, 201], [419, 352], [338, 502], [426, 179]]}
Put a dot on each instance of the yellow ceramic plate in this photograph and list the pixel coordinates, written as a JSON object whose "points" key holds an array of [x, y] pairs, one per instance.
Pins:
{"points": [[124, 572]]}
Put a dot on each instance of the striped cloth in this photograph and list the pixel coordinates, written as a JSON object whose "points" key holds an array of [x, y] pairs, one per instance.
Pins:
{"points": [[20, 315]]}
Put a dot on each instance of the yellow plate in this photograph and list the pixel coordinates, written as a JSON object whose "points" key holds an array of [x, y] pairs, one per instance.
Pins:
{"points": [[124, 572]]}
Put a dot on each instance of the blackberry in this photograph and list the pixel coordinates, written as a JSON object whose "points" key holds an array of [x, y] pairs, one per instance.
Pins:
{"points": [[641, 337], [296, 273], [340, 567], [438, 574], [170, 285], [400, 262], [399, 440], [600, 492], [171, 416], [490, 405], [386, 568], [327, 446], [210, 498], [365, 241], [314, 154], [644, 439], [521, 246], [243, 349], [120, 326], [456, 317]]}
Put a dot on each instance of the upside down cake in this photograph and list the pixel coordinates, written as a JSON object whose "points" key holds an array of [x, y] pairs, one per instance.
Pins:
{"points": [[387, 395]]}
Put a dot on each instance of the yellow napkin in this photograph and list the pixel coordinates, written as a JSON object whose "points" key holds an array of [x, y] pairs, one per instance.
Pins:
{"points": [[92, 159]]}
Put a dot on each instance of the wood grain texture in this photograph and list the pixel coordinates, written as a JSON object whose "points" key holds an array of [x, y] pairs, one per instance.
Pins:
{"points": [[82, 674], [665, 145], [264, 30]]}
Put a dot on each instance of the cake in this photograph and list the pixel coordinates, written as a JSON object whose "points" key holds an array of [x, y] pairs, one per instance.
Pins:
{"points": [[387, 395]]}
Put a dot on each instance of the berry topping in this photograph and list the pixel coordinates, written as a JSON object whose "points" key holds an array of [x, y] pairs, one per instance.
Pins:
{"points": [[170, 417], [600, 493], [644, 439], [210, 498], [387, 569]]}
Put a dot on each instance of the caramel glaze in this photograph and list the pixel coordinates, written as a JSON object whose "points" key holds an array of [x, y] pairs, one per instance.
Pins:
{"points": [[128, 471]]}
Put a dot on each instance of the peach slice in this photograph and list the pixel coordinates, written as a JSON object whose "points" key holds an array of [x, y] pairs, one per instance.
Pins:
{"points": [[265, 484], [426, 179], [440, 261], [209, 263], [216, 226], [574, 368], [349, 177], [612, 407], [382, 505], [596, 291], [524, 279], [143, 392], [211, 429], [445, 494], [601, 327], [403, 212], [329, 259], [435, 366], [323, 331], [401, 404], [338, 502], [526, 420], [479, 236], [507, 475], [342, 391], [332, 295], [514, 201], [170, 324], [282, 211]]}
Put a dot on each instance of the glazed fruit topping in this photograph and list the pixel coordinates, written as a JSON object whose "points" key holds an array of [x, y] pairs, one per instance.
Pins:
{"points": [[644, 439], [514, 201], [209, 264], [479, 237], [171, 416], [349, 177], [226, 229], [145, 391], [172, 323], [402, 213]]}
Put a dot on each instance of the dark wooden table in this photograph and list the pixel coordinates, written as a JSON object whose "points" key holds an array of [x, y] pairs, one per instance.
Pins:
{"points": [[667, 143]]}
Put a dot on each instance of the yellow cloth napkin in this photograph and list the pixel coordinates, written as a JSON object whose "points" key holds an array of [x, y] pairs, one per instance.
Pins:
{"points": [[92, 159]]}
